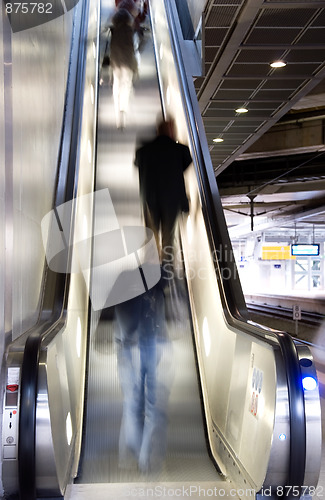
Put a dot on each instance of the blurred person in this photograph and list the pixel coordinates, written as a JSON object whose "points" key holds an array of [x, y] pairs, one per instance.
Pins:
{"points": [[138, 8], [162, 163], [123, 61], [144, 366]]}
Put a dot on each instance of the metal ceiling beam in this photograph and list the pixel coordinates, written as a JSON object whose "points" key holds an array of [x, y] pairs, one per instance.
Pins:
{"points": [[244, 229]]}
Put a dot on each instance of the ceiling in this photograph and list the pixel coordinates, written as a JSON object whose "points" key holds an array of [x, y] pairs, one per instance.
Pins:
{"points": [[270, 165]]}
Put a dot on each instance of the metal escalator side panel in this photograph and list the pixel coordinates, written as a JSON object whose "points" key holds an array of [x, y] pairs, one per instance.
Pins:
{"points": [[58, 427], [246, 406], [46, 477], [10, 424], [297, 411], [312, 411], [279, 453], [58, 419], [27, 418], [306, 444]]}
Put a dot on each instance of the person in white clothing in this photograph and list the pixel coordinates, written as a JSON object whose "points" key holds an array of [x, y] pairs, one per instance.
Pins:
{"points": [[123, 61]]}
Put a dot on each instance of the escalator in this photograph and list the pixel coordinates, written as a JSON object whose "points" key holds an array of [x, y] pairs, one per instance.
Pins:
{"points": [[187, 456], [238, 415]]}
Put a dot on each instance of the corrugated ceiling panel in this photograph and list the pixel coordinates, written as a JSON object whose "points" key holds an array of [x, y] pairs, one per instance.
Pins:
{"points": [[302, 55], [278, 83], [320, 20], [214, 36], [232, 94], [253, 105], [222, 16], [221, 113], [227, 2], [274, 94], [258, 55], [260, 70], [313, 36], [247, 127], [209, 54], [245, 83], [287, 1], [272, 36], [299, 69], [285, 18]]}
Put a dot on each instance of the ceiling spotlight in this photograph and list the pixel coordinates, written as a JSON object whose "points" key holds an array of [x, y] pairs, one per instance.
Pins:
{"points": [[278, 64], [241, 110], [218, 139]]}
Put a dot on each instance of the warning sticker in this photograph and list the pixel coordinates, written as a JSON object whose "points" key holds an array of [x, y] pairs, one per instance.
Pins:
{"points": [[256, 385], [254, 404], [13, 376], [12, 386]]}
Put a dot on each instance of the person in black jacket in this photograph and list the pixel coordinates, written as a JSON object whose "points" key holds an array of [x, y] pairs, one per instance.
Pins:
{"points": [[162, 163]]}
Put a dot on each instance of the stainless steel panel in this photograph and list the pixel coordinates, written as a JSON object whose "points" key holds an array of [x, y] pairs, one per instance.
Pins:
{"points": [[312, 415], [46, 476], [32, 86]]}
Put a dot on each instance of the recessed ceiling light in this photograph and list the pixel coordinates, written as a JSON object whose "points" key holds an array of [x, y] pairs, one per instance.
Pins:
{"points": [[241, 110], [278, 64], [218, 139]]}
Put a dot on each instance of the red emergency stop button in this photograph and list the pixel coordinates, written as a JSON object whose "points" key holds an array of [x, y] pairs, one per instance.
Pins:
{"points": [[12, 387]]}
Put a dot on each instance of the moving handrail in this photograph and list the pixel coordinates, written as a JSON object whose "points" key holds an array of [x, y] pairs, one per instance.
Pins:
{"points": [[234, 306]]}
